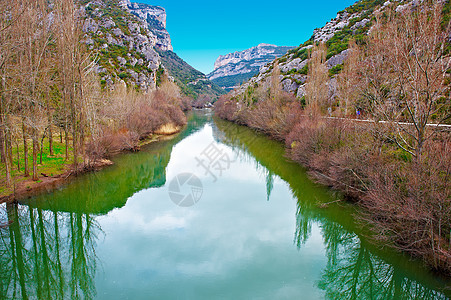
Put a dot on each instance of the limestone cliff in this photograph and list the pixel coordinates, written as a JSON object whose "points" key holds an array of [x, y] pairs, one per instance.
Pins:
{"points": [[235, 68], [131, 43]]}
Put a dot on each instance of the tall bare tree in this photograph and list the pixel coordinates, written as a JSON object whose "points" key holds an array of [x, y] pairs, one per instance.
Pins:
{"points": [[317, 92], [348, 79], [410, 49]]}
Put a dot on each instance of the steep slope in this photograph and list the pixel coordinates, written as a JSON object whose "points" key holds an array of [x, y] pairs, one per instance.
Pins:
{"points": [[192, 82], [235, 68], [124, 45], [353, 22], [129, 40]]}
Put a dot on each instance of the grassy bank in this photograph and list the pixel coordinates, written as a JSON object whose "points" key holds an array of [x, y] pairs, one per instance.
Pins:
{"points": [[56, 168], [51, 165]]}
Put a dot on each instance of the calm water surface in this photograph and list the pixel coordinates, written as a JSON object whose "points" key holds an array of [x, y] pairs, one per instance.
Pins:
{"points": [[258, 231]]}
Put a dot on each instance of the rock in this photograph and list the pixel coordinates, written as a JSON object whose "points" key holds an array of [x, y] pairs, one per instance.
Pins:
{"points": [[117, 32], [296, 64], [301, 91], [134, 28], [337, 59], [299, 78], [360, 24], [90, 25], [289, 85], [112, 40], [332, 84], [248, 62], [108, 23], [121, 60], [134, 75]]}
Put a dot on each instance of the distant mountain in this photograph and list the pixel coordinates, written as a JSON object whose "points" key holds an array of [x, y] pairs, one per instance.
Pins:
{"points": [[235, 68], [131, 44], [192, 82]]}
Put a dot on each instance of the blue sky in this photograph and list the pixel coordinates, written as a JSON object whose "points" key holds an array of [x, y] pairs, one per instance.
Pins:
{"points": [[202, 30]]}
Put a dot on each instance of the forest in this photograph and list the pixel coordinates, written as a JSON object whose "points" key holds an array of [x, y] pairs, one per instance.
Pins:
{"points": [[55, 116]]}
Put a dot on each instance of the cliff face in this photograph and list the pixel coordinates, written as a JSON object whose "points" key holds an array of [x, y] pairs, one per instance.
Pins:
{"points": [[155, 17], [131, 43], [235, 68]]}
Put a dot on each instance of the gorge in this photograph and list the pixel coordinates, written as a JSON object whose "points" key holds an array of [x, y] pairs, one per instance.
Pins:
{"points": [[320, 171]]}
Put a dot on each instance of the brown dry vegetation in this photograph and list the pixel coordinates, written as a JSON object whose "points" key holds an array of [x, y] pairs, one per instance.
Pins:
{"points": [[48, 85], [125, 117], [399, 170]]}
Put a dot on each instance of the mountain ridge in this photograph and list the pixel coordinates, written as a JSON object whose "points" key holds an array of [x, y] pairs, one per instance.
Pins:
{"points": [[234, 68]]}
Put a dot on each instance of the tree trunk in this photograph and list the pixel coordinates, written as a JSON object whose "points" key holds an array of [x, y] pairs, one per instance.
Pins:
{"points": [[6, 144], [18, 156], [66, 138], [7, 161], [42, 149], [49, 117], [75, 147], [50, 140], [10, 147], [2, 147], [25, 151], [35, 155]]}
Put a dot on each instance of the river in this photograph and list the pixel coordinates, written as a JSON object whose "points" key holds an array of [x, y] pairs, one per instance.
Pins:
{"points": [[217, 212]]}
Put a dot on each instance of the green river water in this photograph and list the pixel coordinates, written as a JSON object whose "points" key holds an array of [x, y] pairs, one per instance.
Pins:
{"points": [[217, 212]]}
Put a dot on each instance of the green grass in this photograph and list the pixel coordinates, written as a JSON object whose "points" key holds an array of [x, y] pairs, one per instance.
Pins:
{"points": [[51, 165]]}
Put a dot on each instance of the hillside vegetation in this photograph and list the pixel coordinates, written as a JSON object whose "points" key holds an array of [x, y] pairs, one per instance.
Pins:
{"points": [[366, 116], [54, 109], [191, 81]]}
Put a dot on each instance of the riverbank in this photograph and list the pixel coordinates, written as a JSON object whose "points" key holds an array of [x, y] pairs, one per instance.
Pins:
{"points": [[405, 199], [315, 252], [25, 187]]}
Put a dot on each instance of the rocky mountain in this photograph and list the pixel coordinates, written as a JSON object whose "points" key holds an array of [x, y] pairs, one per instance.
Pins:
{"points": [[235, 68], [155, 18], [130, 41], [353, 22]]}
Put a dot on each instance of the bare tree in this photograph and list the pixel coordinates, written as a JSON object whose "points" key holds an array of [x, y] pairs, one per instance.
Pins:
{"points": [[410, 49], [317, 92], [348, 79]]}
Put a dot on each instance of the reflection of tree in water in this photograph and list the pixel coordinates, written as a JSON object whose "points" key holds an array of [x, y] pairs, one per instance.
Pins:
{"points": [[48, 255], [269, 183], [352, 270]]}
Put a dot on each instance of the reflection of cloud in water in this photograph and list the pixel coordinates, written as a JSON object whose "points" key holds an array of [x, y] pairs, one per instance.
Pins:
{"points": [[233, 243], [146, 218], [183, 159]]}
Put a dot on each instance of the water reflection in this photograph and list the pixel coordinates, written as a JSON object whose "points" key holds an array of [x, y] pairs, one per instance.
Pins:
{"points": [[49, 250], [233, 241], [353, 269], [48, 255]]}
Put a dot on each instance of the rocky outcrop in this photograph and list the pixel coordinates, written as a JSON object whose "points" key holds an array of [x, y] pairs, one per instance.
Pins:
{"points": [[155, 17], [353, 21], [237, 67], [127, 40], [132, 43]]}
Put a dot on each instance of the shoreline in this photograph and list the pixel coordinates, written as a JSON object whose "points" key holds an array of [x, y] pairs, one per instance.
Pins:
{"points": [[351, 196], [46, 184]]}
